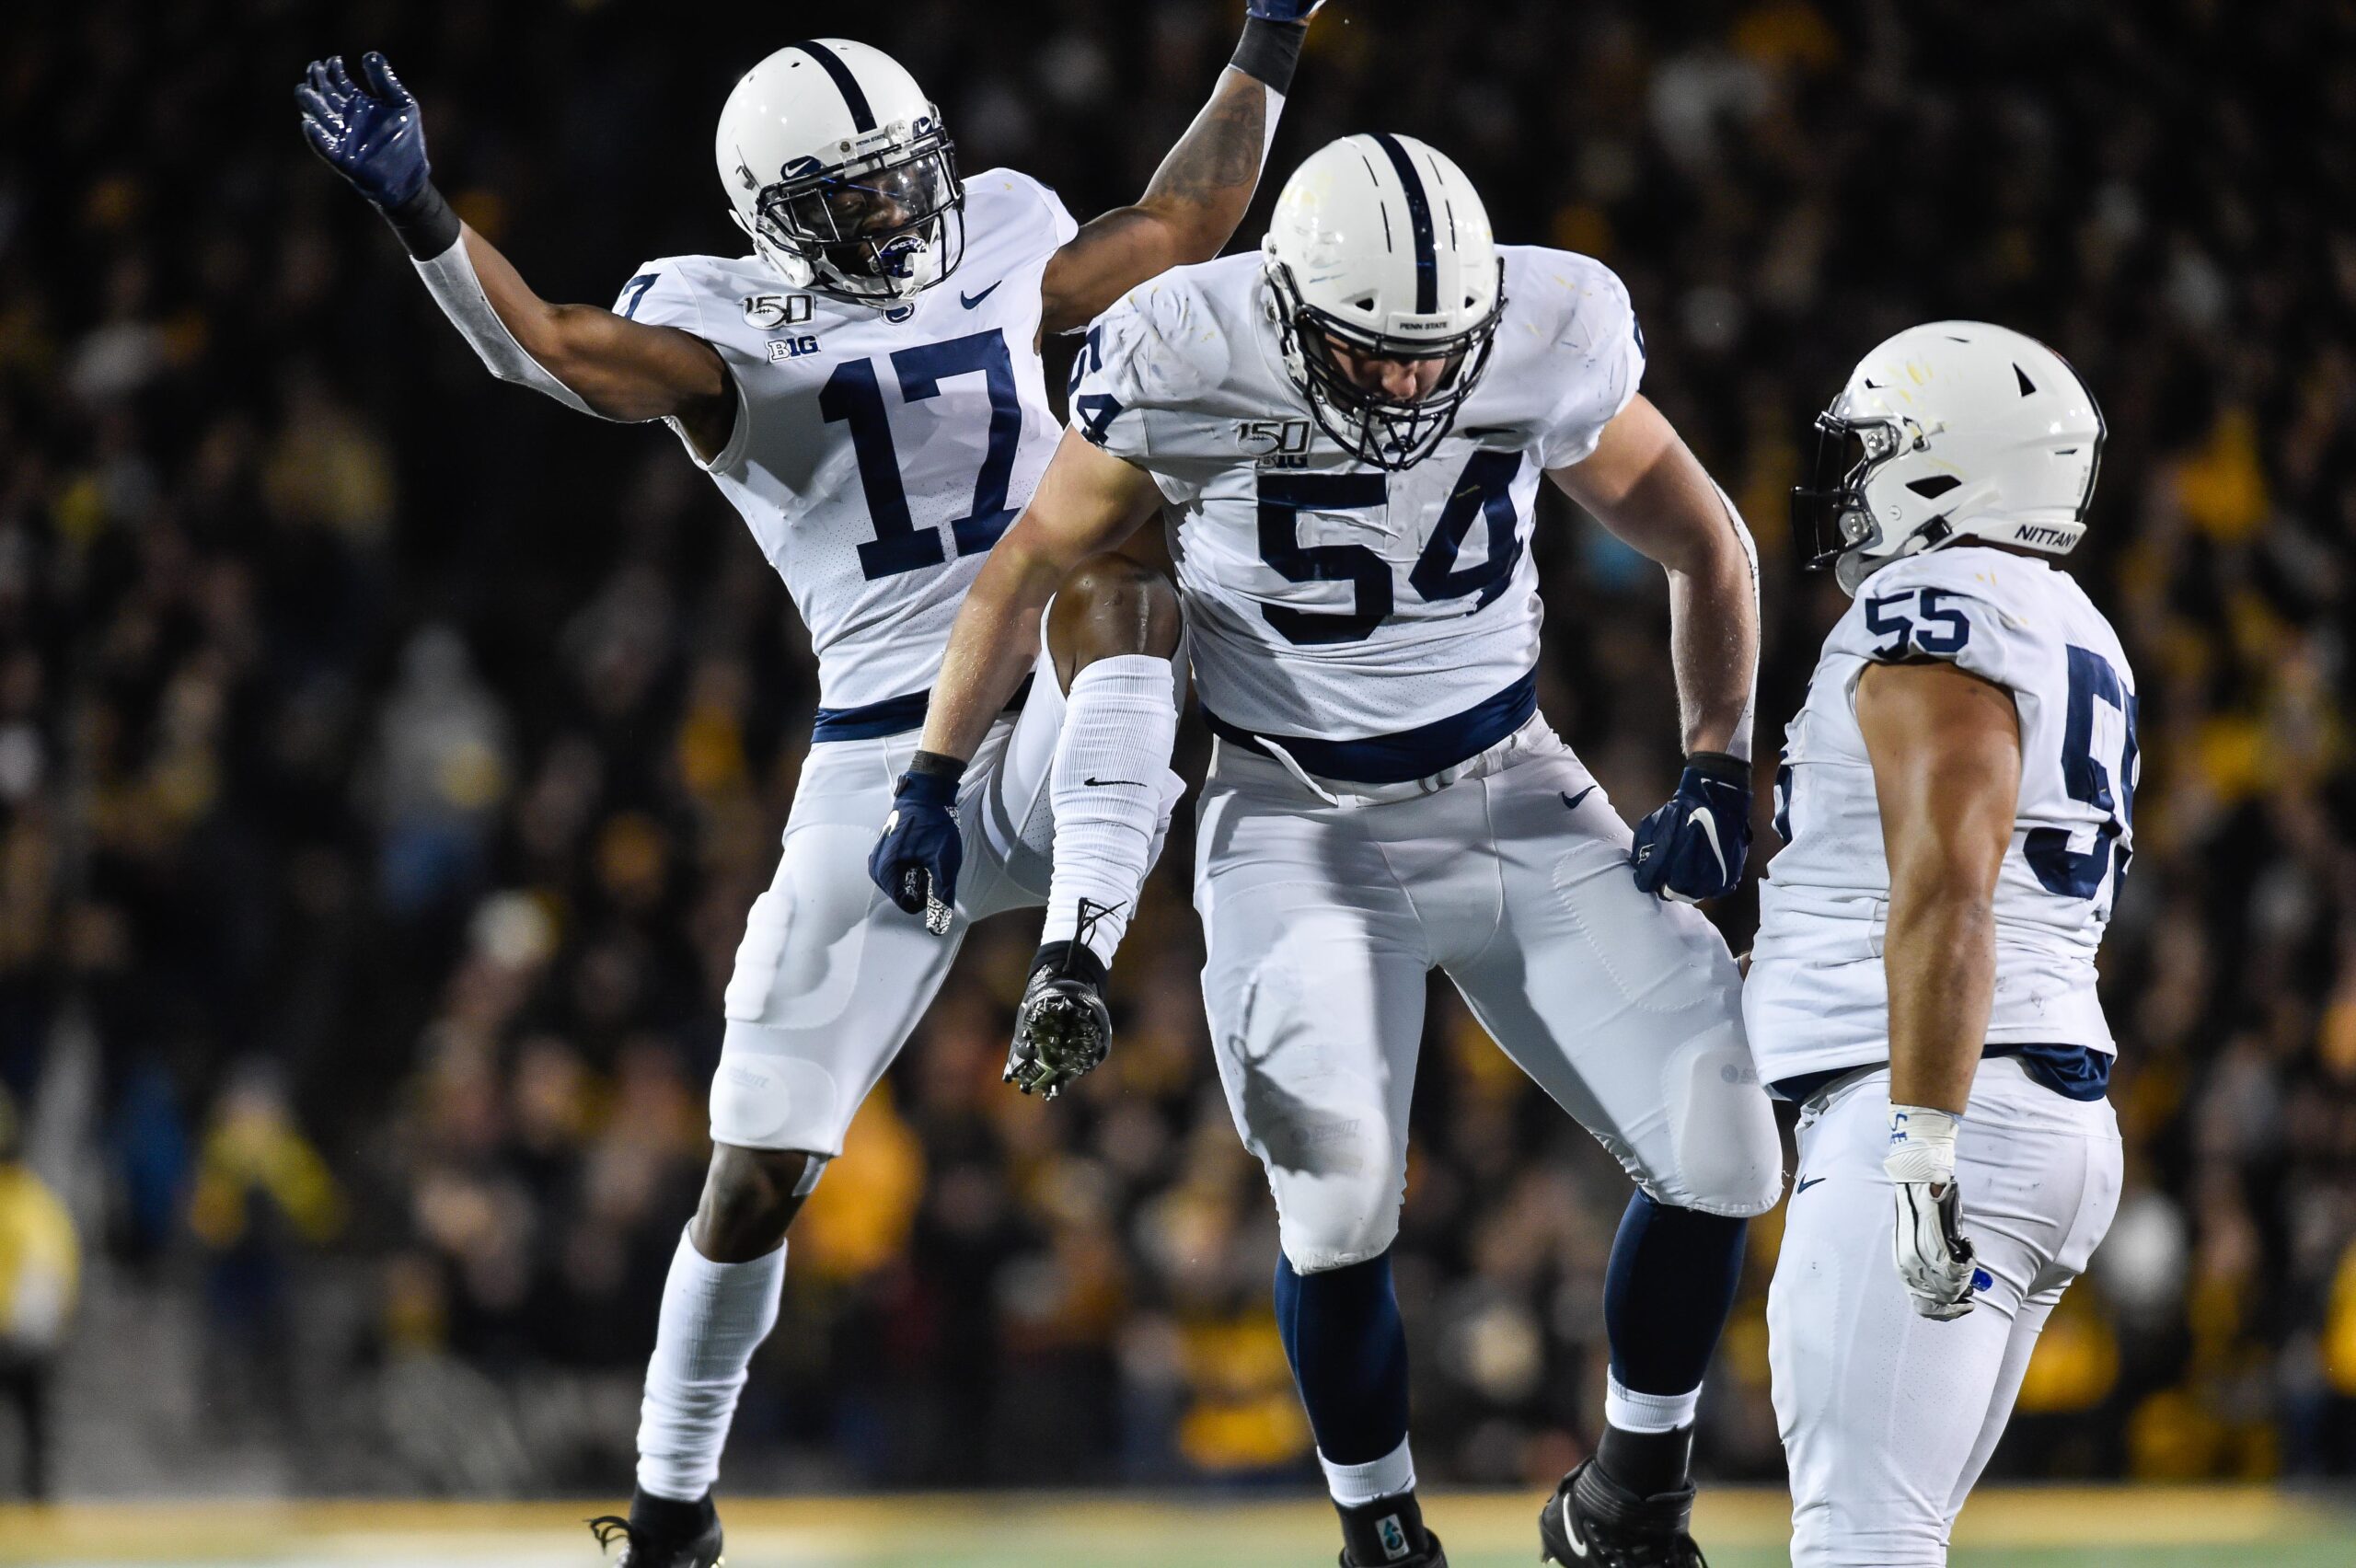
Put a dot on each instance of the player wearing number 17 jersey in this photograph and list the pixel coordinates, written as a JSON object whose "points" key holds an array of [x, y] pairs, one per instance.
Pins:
{"points": [[866, 389], [1956, 791], [1344, 436]]}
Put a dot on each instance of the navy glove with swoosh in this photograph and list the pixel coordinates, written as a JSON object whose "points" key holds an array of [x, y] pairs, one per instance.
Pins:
{"points": [[917, 860], [1696, 847]]}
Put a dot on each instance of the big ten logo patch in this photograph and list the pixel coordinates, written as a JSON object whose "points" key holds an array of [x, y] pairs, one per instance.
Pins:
{"points": [[791, 348]]}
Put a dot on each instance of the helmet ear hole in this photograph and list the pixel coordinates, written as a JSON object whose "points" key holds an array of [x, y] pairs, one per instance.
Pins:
{"points": [[1364, 301]]}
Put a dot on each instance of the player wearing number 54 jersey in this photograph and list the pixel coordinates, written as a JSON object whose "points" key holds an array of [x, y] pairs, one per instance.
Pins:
{"points": [[866, 389], [1956, 791], [1344, 436]]}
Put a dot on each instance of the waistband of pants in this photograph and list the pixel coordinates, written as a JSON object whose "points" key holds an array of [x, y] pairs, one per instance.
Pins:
{"points": [[1407, 758], [1350, 796], [2073, 1072], [893, 715]]}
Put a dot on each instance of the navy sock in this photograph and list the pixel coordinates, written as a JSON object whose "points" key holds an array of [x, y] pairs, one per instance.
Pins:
{"points": [[1348, 1352], [1666, 1296]]}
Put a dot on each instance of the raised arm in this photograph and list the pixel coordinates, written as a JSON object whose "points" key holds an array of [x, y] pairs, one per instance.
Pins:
{"points": [[1198, 195], [1643, 485], [371, 132], [1945, 748], [1087, 502]]}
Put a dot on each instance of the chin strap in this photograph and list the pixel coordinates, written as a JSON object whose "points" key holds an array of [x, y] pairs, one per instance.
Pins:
{"points": [[450, 278]]}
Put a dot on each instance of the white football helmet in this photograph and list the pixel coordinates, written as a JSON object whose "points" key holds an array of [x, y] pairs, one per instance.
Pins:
{"points": [[1381, 243], [840, 169], [1956, 430]]}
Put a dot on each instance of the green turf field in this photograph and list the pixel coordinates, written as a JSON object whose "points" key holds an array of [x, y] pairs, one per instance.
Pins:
{"points": [[2130, 1528]]}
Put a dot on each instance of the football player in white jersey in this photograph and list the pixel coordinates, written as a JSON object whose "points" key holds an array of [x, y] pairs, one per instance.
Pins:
{"points": [[878, 431], [1344, 436], [1954, 795]]}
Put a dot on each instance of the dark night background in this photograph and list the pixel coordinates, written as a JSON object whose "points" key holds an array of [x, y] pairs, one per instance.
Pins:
{"points": [[388, 756]]}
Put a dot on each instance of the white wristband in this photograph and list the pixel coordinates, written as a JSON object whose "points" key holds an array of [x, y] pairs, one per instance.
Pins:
{"points": [[450, 279], [1921, 1143]]}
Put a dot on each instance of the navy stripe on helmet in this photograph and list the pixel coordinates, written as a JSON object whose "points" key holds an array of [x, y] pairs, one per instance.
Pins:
{"points": [[862, 117], [1419, 223]]}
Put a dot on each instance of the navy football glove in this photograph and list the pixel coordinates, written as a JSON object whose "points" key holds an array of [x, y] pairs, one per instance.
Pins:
{"points": [[1695, 847], [369, 129], [916, 861], [1283, 10]]}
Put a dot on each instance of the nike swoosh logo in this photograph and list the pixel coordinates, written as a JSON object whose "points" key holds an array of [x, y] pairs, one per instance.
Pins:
{"points": [[969, 300], [1571, 1531], [1095, 783], [1573, 801], [1804, 1183], [1710, 831]]}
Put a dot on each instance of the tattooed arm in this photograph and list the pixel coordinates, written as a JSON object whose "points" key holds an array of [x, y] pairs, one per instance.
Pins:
{"points": [[1199, 194]]}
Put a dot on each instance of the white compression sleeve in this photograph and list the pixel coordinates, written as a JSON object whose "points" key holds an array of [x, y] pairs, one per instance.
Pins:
{"points": [[1111, 774], [714, 1316], [450, 279], [1739, 746], [1269, 133]]}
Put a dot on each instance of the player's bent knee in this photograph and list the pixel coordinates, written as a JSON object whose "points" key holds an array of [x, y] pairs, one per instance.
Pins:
{"points": [[750, 1198], [1721, 1183], [1726, 1155], [1325, 1239], [768, 1096], [1108, 607]]}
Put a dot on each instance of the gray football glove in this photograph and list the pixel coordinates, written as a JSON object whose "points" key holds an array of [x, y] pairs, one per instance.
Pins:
{"points": [[1934, 1257]]}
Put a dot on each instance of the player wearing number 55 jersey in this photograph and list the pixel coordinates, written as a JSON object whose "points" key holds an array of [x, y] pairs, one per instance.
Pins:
{"points": [[866, 389], [1955, 792], [1344, 436]]}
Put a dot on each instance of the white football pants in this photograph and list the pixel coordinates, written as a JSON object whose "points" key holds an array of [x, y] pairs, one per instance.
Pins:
{"points": [[1323, 915], [1889, 1417]]}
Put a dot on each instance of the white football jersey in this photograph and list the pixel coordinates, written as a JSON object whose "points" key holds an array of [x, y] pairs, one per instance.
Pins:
{"points": [[1817, 997], [877, 455], [1329, 601]]}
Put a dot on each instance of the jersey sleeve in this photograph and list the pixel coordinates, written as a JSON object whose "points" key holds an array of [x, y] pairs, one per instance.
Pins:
{"points": [[1137, 369], [1599, 349], [671, 292], [662, 293], [1027, 212], [1939, 607]]}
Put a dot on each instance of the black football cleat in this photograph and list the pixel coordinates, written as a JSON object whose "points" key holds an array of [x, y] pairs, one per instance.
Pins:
{"points": [[1592, 1519], [661, 1533], [1063, 1028]]}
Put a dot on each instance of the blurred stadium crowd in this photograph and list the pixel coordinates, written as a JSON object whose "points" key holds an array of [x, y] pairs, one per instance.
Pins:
{"points": [[387, 758]]}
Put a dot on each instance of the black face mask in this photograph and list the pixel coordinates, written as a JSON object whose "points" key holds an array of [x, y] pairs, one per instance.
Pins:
{"points": [[1847, 452], [1369, 425], [861, 229]]}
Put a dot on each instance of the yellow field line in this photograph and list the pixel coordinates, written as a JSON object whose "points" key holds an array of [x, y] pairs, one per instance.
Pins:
{"points": [[200, 1532]]}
